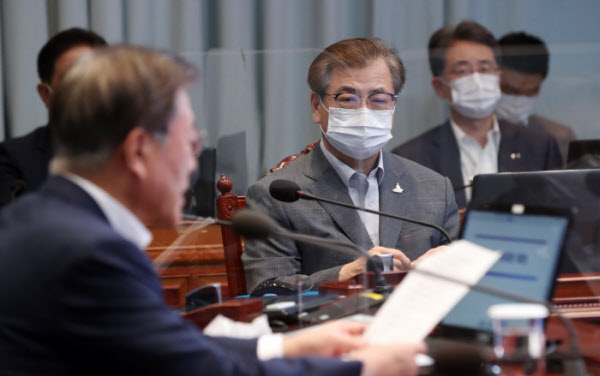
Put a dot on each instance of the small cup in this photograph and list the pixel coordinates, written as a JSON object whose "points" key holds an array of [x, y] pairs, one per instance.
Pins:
{"points": [[519, 334], [388, 262]]}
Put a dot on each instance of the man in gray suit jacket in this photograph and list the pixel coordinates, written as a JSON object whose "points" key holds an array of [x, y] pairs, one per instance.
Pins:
{"points": [[465, 73], [354, 86]]}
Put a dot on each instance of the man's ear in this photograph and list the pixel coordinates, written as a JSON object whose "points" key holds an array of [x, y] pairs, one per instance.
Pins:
{"points": [[45, 93], [441, 89], [138, 148], [315, 105]]}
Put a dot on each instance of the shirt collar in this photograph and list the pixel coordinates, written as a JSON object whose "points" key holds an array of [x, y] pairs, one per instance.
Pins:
{"points": [[119, 217], [345, 172], [461, 136]]}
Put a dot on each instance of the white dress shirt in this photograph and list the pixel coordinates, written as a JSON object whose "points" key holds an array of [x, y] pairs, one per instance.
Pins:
{"points": [[474, 159], [129, 226], [119, 217], [363, 190]]}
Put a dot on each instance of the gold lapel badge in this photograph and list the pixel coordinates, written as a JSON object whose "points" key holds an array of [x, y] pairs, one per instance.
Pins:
{"points": [[398, 189]]}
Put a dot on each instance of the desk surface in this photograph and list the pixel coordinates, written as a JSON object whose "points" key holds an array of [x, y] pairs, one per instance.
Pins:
{"points": [[574, 287]]}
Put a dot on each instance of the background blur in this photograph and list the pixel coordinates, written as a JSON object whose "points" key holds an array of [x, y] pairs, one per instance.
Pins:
{"points": [[254, 56]]}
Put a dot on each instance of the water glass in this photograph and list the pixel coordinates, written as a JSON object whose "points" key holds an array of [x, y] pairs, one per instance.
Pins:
{"points": [[519, 338]]}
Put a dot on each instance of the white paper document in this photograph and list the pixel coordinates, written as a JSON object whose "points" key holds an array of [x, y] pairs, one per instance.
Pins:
{"points": [[222, 326], [421, 301]]}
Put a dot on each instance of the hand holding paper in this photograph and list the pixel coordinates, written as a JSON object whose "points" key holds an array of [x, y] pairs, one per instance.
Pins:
{"points": [[421, 301]]}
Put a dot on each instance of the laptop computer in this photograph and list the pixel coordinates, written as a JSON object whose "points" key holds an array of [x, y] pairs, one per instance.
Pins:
{"points": [[531, 240], [579, 189]]}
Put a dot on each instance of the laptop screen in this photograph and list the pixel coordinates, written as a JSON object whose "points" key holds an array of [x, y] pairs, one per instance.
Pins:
{"points": [[531, 246]]}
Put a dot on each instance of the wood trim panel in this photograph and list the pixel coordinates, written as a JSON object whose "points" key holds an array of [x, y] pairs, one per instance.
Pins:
{"points": [[186, 258]]}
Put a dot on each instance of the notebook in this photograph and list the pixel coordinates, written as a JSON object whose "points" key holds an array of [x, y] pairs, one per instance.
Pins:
{"points": [[531, 240]]}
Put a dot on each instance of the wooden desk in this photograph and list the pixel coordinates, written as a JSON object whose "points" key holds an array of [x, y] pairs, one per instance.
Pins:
{"points": [[578, 295], [588, 336], [186, 258]]}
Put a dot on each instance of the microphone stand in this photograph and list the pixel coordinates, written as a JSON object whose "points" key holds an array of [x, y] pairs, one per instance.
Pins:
{"points": [[309, 196], [205, 220]]}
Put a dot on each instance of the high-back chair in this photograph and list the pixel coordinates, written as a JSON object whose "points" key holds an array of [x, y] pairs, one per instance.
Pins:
{"points": [[233, 246], [285, 161]]}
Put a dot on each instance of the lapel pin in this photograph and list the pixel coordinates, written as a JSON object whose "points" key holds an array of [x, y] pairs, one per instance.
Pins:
{"points": [[398, 189], [515, 155]]}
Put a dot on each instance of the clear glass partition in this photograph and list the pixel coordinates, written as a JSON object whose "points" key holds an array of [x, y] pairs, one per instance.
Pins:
{"points": [[255, 107]]}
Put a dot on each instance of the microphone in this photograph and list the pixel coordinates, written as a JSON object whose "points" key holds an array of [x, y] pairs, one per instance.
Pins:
{"points": [[288, 191], [254, 225], [573, 363]]}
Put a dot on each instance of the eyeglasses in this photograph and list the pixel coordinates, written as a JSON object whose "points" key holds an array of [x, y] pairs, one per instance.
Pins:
{"points": [[375, 101], [465, 69]]}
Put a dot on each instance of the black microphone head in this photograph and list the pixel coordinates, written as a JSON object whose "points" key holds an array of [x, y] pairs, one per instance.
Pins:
{"points": [[284, 190], [252, 224]]}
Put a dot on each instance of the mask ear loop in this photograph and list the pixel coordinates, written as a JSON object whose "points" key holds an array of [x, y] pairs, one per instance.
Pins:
{"points": [[322, 104], [320, 126], [49, 88], [448, 84]]}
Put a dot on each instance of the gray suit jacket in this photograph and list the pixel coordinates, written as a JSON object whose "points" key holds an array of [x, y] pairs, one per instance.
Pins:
{"points": [[521, 149], [427, 196]]}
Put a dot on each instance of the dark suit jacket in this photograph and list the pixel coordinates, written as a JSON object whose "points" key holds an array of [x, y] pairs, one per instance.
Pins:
{"points": [[79, 299], [24, 159], [521, 149], [427, 196], [562, 133]]}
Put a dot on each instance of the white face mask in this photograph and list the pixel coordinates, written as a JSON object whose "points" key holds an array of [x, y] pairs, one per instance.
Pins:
{"points": [[516, 109], [475, 95], [358, 133]]}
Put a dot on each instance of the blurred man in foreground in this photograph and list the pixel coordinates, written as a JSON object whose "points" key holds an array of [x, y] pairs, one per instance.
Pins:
{"points": [[79, 295], [24, 160]]}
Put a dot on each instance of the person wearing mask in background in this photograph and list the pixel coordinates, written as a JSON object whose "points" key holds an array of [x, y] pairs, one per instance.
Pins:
{"points": [[354, 83], [464, 64], [525, 61], [79, 296], [24, 160]]}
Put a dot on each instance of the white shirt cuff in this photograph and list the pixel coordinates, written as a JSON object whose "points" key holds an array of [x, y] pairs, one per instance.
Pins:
{"points": [[269, 346]]}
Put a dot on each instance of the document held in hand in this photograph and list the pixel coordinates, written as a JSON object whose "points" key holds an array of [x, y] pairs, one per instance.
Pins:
{"points": [[421, 301]]}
